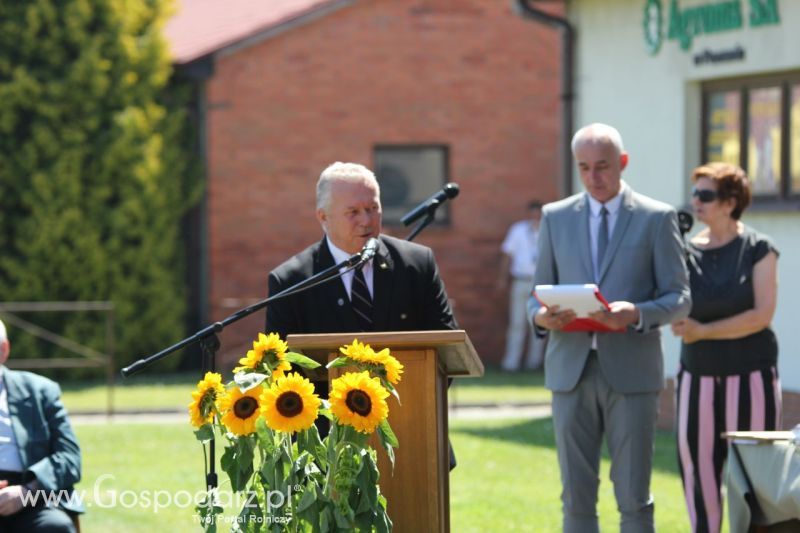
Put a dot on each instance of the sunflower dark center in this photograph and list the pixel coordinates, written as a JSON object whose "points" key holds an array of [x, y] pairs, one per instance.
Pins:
{"points": [[245, 407], [289, 404], [359, 402]]}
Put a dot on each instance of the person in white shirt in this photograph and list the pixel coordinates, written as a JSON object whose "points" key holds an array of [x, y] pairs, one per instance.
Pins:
{"points": [[517, 267]]}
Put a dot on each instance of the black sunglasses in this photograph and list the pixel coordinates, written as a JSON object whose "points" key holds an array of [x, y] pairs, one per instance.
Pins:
{"points": [[704, 195]]}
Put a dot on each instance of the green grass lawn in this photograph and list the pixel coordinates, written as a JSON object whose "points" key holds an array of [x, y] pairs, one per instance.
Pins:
{"points": [[497, 387], [145, 392], [507, 478], [141, 392]]}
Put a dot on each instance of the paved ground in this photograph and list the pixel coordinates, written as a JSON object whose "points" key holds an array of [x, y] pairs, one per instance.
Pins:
{"points": [[478, 412]]}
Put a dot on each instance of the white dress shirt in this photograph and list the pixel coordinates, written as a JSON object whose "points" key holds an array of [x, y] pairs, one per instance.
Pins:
{"points": [[340, 255]]}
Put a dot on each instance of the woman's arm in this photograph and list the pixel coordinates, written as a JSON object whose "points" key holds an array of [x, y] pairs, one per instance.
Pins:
{"points": [[765, 292]]}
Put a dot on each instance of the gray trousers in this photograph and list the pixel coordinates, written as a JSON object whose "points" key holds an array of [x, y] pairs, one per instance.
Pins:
{"points": [[580, 418]]}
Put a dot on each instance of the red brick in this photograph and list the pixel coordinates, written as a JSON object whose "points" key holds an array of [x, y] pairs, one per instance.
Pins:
{"points": [[469, 74]]}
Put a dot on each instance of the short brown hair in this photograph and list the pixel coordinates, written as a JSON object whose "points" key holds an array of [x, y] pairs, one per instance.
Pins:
{"points": [[731, 181]]}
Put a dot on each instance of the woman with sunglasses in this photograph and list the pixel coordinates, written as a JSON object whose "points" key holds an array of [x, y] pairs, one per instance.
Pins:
{"points": [[728, 378]]}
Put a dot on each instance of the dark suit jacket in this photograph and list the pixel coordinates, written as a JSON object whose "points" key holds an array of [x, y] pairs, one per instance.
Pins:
{"points": [[47, 446], [408, 292], [409, 295]]}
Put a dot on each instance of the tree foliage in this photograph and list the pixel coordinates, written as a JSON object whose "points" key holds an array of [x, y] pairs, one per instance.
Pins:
{"points": [[94, 176]]}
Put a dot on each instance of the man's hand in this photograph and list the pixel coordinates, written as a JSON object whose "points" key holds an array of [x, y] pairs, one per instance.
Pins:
{"points": [[553, 317], [688, 329], [619, 316], [10, 498]]}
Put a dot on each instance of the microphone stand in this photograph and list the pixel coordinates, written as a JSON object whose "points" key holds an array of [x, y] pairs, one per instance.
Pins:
{"points": [[209, 340], [429, 216]]}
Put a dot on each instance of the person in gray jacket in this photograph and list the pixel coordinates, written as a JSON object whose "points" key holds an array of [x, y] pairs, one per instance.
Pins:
{"points": [[608, 382]]}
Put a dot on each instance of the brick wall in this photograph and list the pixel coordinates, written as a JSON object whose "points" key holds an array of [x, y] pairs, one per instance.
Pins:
{"points": [[466, 73]]}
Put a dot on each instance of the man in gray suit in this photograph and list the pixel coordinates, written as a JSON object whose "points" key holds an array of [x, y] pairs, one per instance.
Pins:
{"points": [[630, 246]]}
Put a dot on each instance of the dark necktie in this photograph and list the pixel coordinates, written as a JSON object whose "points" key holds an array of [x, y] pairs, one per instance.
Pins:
{"points": [[361, 301], [602, 237]]}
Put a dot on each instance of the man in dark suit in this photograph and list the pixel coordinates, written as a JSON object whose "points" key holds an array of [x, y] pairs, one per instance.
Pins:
{"points": [[402, 279], [608, 383], [39, 454], [398, 290]]}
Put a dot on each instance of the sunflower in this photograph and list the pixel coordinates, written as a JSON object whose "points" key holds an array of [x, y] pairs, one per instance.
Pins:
{"points": [[359, 401], [240, 409], [263, 348], [357, 351], [363, 353], [290, 405], [208, 389], [393, 367]]}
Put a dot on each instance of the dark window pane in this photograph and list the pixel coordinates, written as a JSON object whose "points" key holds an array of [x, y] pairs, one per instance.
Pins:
{"points": [[723, 123], [407, 176], [764, 140]]}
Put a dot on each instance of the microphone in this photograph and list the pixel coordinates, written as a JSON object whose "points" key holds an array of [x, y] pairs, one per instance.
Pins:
{"points": [[429, 206], [366, 253], [685, 221], [369, 250]]}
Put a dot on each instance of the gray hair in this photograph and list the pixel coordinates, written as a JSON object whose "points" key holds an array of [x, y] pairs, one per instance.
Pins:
{"points": [[347, 172], [598, 132], [3, 335]]}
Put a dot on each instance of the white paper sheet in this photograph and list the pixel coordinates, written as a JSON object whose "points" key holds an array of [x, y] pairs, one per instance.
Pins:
{"points": [[580, 298]]}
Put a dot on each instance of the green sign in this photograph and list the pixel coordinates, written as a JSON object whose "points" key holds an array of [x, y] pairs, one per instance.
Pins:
{"points": [[653, 25], [685, 23]]}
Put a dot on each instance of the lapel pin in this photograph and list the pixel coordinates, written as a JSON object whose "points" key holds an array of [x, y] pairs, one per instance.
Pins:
{"points": [[340, 301], [384, 266]]}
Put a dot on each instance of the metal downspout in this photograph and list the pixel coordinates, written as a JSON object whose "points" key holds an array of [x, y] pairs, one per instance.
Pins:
{"points": [[524, 8]]}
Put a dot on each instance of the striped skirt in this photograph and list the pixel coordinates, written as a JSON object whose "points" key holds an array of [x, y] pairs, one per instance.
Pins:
{"points": [[708, 406]]}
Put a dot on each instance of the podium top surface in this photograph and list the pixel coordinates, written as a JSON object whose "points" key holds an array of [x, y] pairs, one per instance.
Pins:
{"points": [[455, 350]]}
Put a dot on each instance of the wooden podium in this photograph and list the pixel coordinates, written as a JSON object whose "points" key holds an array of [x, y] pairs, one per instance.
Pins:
{"points": [[418, 491]]}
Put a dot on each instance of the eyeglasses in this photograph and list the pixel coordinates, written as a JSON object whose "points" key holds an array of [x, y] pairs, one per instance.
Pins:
{"points": [[704, 195]]}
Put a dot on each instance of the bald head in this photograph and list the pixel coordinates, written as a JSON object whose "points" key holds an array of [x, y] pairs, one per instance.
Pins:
{"points": [[598, 133]]}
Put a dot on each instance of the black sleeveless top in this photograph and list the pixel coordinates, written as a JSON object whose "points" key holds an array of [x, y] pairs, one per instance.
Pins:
{"points": [[721, 281]]}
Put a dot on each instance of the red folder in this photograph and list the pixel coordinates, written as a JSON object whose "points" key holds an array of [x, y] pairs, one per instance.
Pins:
{"points": [[585, 323]]}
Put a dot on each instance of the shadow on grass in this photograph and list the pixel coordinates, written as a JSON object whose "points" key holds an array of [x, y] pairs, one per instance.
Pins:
{"points": [[539, 432], [497, 378], [143, 380]]}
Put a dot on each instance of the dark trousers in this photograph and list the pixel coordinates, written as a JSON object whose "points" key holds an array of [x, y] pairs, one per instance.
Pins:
{"points": [[39, 519], [34, 519]]}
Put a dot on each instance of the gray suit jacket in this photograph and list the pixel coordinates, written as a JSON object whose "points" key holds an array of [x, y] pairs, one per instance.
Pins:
{"points": [[643, 264], [47, 445]]}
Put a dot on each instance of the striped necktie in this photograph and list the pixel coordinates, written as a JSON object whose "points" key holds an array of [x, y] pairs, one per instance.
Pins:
{"points": [[361, 301]]}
